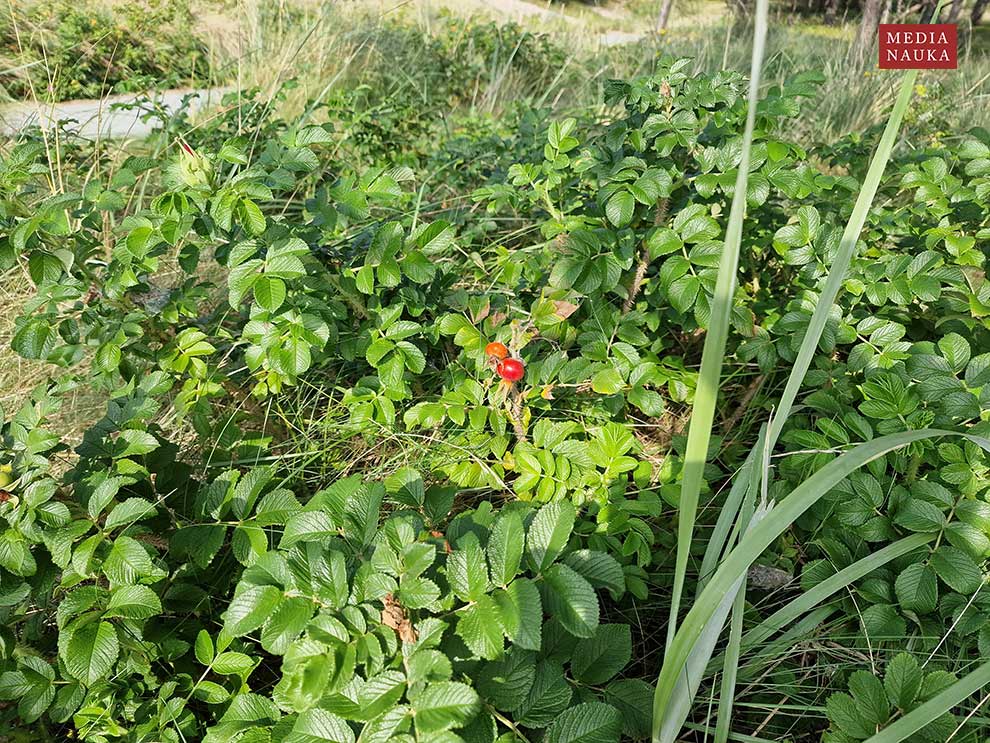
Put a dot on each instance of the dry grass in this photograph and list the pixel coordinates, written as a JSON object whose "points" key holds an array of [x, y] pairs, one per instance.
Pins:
{"points": [[19, 376]]}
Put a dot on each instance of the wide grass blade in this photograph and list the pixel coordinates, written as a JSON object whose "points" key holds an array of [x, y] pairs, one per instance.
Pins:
{"points": [[727, 515], [761, 536], [703, 411], [938, 705]]}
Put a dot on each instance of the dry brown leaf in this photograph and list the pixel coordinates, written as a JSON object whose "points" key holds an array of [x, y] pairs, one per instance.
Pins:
{"points": [[563, 309], [394, 616], [482, 313]]}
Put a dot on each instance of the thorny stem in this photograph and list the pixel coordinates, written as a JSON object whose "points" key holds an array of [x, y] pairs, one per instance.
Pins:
{"points": [[644, 260], [517, 413]]}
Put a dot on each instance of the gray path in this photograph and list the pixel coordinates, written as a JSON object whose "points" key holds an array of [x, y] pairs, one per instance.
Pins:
{"points": [[104, 117]]}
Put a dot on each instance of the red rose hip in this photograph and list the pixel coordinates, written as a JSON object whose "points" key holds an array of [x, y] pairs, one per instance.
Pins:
{"points": [[511, 370]]}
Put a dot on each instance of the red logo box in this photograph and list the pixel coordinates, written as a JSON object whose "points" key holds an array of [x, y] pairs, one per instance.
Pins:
{"points": [[918, 46]]}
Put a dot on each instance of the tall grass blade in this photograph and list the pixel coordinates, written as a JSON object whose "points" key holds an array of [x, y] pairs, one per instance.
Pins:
{"points": [[783, 645], [824, 590], [703, 411], [843, 257], [671, 690], [727, 516], [730, 665], [687, 684], [761, 536], [834, 583], [938, 705]]}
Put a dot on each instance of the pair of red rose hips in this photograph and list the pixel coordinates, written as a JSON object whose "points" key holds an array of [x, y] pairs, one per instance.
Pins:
{"points": [[509, 369]]}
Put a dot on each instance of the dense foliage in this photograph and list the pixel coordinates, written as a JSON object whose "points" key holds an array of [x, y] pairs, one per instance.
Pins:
{"points": [[63, 50], [193, 568]]}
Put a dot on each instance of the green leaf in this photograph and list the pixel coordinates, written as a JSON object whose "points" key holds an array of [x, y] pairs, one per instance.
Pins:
{"points": [[307, 526], [620, 207], [91, 652], [134, 443], [647, 400], [286, 624], [548, 696], [571, 599], [902, 680], [129, 562], [942, 702], [240, 280], [231, 663], [882, 622], [467, 571], [844, 714], [250, 217], [968, 538], [591, 722], [444, 705], [506, 683], [316, 725], [870, 697], [549, 532], [382, 728], [381, 692], [35, 339], [203, 648], [597, 659], [126, 513], [107, 358], [520, 612], [133, 602], [505, 548], [957, 569], [919, 515], [199, 542], [269, 292], [632, 697], [31, 684], [600, 569], [917, 588], [250, 608], [479, 628], [683, 292], [249, 711], [956, 351], [210, 692], [607, 381]]}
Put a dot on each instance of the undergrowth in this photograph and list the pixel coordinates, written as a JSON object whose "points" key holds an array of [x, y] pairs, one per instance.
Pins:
{"points": [[394, 406]]}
